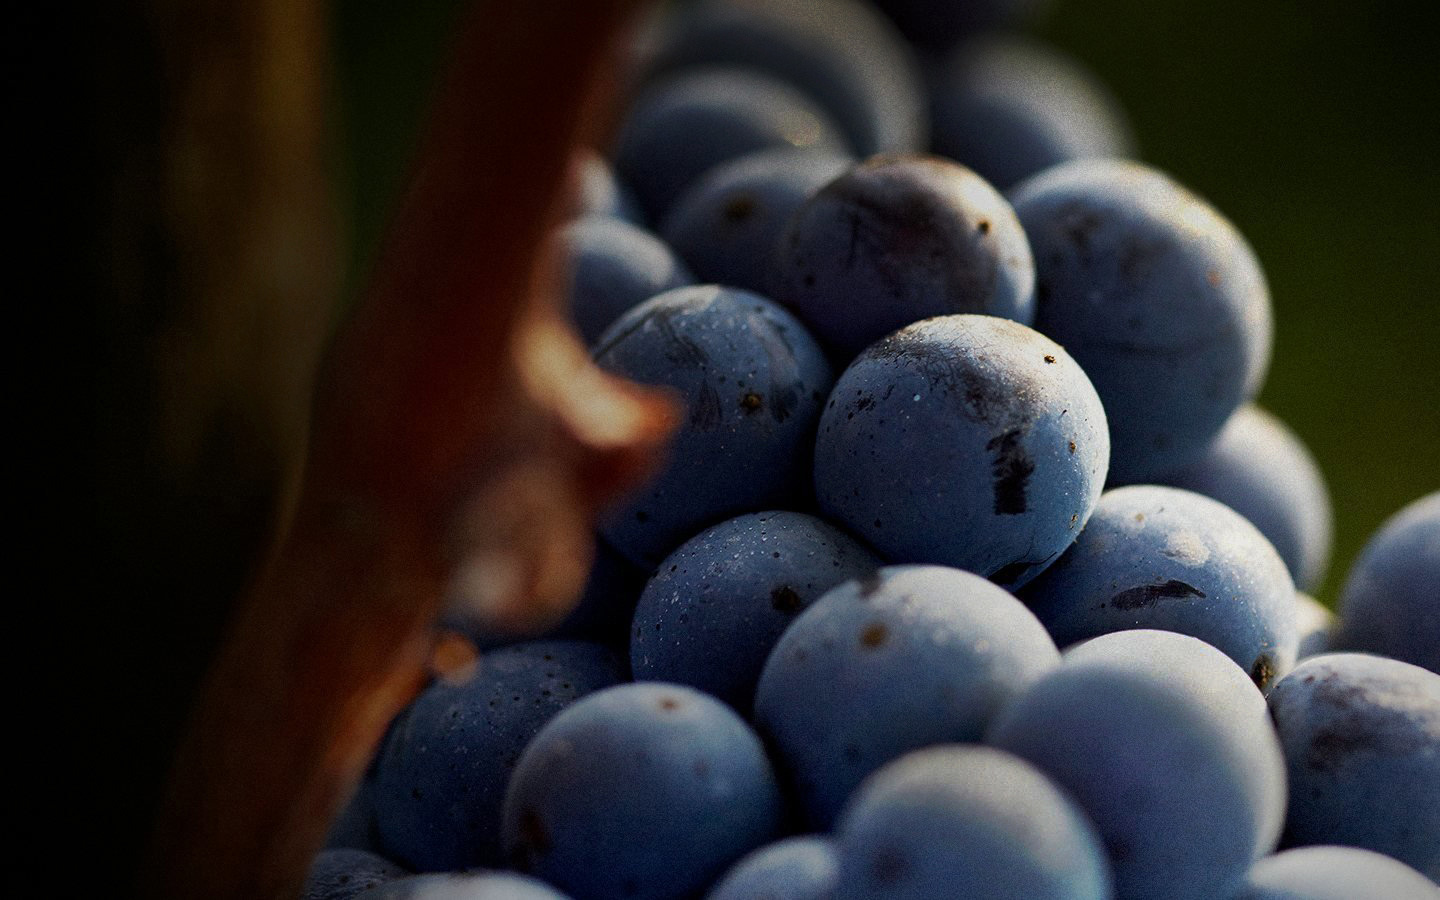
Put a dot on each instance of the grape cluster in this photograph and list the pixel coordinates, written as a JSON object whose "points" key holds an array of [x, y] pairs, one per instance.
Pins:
{"points": [[973, 570]]}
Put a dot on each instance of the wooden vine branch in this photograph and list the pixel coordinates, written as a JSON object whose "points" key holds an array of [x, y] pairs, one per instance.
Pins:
{"points": [[456, 420]]}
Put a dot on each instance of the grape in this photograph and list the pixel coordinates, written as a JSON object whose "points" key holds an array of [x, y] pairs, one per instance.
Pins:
{"points": [[1260, 469], [340, 874], [1160, 557], [967, 821], [471, 886], [716, 606], [797, 868], [1314, 625], [1362, 751], [598, 193], [968, 441], [752, 380], [1165, 744], [909, 656], [1159, 299], [612, 266], [1010, 107], [644, 790], [681, 127], [898, 239], [440, 779], [838, 51], [1334, 873], [1391, 602], [727, 225]]}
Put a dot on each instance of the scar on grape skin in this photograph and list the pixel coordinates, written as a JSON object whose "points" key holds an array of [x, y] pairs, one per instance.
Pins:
{"points": [[1262, 671], [1011, 469], [739, 208], [874, 635], [784, 599], [1149, 594], [534, 833]]}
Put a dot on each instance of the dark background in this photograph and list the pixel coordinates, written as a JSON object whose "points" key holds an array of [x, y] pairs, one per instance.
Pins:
{"points": [[1312, 125]]}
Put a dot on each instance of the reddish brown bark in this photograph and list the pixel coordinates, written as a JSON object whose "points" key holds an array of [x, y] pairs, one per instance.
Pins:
{"points": [[457, 421]]}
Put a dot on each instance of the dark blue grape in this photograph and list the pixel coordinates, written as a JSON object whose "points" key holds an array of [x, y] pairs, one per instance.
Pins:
{"points": [[968, 441], [1160, 557], [340, 874], [1391, 601], [1362, 754], [681, 127], [752, 380], [1159, 299], [716, 606], [1335, 873], [838, 51], [967, 821], [642, 791], [1010, 107], [470, 886], [1259, 468], [797, 868], [898, 239], [904, 658], [727, 225], [440, 779], [1166, 746], [612, 266]]}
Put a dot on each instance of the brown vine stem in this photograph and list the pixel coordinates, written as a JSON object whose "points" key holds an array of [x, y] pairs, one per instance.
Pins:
{"points": [[456, 418]]}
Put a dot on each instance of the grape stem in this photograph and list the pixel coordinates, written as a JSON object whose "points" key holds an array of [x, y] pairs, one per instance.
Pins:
{"points": [[456, 419]]}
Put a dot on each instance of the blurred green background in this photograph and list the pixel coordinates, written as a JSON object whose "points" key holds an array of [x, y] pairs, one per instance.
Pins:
{"points": [[1312, 125]]}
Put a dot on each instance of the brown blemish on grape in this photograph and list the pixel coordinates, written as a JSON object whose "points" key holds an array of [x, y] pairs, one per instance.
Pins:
{"points": [[784, 599], [874, 635], [1049, 358], [751, 401], [739, 208], [668, 704], [1148, 595], [983, 226], [1072, 446], [534, 836], [1262, 671]]}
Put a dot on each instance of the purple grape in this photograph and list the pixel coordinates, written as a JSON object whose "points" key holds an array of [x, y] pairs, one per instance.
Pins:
{"points": [[1362, 752], [1335, 873], [967, 821], [613, 266], [340, 874], [898, 239], [1010, 107], [439, 782], [681, 127], [752, 380], [1157, 296], [1160, 557], [796, 868], [1260, 469], [1165, 744], [642, 791], [840, 52], [904, 658], [967, 441], [1391, 602], [727, 225], [716, 606]]}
